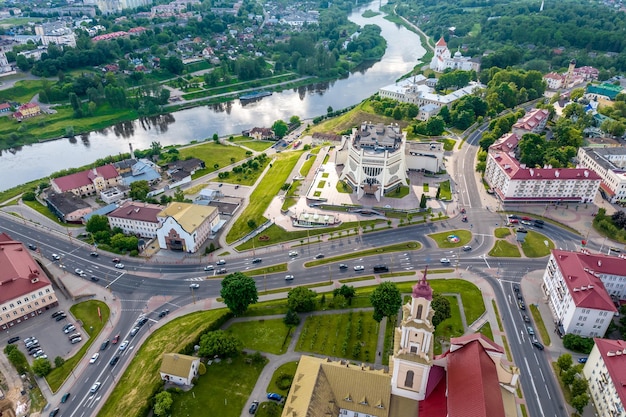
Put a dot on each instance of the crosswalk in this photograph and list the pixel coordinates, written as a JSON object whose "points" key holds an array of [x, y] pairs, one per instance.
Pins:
{"points": [[195, 279]]}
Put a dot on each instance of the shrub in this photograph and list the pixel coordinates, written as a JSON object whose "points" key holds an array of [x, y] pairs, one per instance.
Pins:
{"points": [[201, 369], [284, 381], [578, 343]]}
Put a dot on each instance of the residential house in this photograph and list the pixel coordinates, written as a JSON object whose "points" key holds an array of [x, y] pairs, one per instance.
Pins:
{"points": [[27, 110], [136, 218], [610, 165], [605, 371], [88, 182], [185, 227], [604, 90], [67, 207], [514, 182], [26, 290], [533, 122], [142, 170], [573, 284], [190, 165], [179, 369], [472, 378], [5, 108], [261, 133]]}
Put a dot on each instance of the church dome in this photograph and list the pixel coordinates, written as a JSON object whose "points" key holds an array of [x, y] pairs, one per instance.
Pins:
{"points": [[422, 288], [457, 54]]}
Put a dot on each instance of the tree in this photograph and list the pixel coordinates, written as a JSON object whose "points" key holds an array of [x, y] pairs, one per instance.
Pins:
{"points": [[579, 402], [301, 300], [219, 343], [348, 292], [279, 128], [295, 120], [97, 223], [155, 148], [162, 404], [386, 300], [564, 362], [291, 318], [238, 291], [441, 306], [138, 190], [578, 343], [216, 138], [579, 386], [423, 201], [58, 362], [42, 367], [569, 376], [179, 195], [174, 65]]}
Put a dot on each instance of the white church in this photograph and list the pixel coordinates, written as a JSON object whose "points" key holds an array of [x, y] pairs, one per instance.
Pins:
{"points": [[444, 60]]}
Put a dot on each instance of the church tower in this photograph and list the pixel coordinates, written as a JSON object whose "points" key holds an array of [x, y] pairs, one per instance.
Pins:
{"points": [[442, 53], [413, 344], [570, 73]]}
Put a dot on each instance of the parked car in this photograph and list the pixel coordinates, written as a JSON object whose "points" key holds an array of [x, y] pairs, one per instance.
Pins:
{"points": [[73, 336], [119, 266], [359, 268], [467, 248], [220, 262], [526, 223], [116, 260], [194, 286], [95, 387], [61, 317], [65, 397], [530, 330], [319, 256], [13, 339], [257, 260], [77, 340], [33, 349], [521, 305], [104, 345], [512, 216], [94, 254], [54, 412], [114, 360], [293, 253], [209, 268], [94, 358], [274, 396], [444, 260], [31, 342], [142, 321], [253, 407], [515, 287], [582, 360], [525, 318], [343, 266], [522, 230], [57, 313], [67, 325], [116, 339], [69, 329], [28, 339], [288, 277], [95, 278], [123, 345]]}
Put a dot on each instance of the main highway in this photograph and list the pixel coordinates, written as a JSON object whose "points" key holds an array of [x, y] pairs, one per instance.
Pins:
{"points": [[141, 280]]}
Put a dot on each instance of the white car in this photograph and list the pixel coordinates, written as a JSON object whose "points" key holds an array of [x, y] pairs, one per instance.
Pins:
{"points": [[94, 358], [194, 286], [119, 266], [123, 345], [209, 268], [293, 253], [444, 260], [95, 387], [69, 329], [80, 272], [55, 257], [288, 277], [359, 268]]}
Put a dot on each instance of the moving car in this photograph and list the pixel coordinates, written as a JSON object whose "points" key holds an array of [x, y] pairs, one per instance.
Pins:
{"points": [[359, 268], [220, 262], [253, 407], [119, 266], [515, 287], [530, 330], [221, 271], [134, 331], [123, 345], [319, 256], [142, 321], [104, 345], [381, 268], [525, 318], [116, 260], [95, 387], [539, 221], [274, 396], [94, 358], [116, 339], [288, 277], [522, 230], [114, 360], [444, 260], [343, 266], [55, 257], [582, 360], [54, 412], [95, 278], [94, 254], [32, 247], [164, 313], [209, 268], [65, 397], [293, 253], [79, 272], [467, 248], [537, 345], [194, 286], [526, 223], [257, 260], [13, 339]]}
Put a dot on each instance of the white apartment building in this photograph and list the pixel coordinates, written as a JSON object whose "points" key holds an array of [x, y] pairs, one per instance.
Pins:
{"points": [[577, 297], [605, 371], [136, 218], [513, 182], [56, 33], [610, 165]]}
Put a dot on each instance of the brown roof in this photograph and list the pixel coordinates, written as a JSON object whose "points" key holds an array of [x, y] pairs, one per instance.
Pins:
{"points": [[132, 210], [19, 273], [177, 364], [83, 178]]}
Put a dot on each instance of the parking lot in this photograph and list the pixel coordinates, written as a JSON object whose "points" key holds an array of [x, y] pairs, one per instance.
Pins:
{"points": [[49, 333]]}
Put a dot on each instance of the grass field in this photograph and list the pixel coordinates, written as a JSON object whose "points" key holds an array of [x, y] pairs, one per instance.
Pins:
{"points": [[400, 192], [450, 327], [361, 113], [255, 145], [535, 245], [540, 325], [350, 335], [87, 313], [472, 298], [226, 387], [444, 191], [271, 336], [306, 166], [504, 249], [285, 370], [442, 238], [22, 91], [44, 210], [212, 153], [502, 232], [135, 387], [263, 195]]}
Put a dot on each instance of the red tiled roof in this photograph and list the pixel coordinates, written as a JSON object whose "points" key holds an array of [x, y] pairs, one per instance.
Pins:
{"points": [[435, 404], [512, 167], [580, 272], [615, 364], [5, 106], [83, 178], [18, 270], [473, 386], [532, 119], [506, 143], [137, 211], [441, 42], [29, 106], [607, 189]]}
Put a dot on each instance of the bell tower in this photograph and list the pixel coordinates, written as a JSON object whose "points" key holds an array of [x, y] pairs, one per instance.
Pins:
{"points": [[413, 344]]}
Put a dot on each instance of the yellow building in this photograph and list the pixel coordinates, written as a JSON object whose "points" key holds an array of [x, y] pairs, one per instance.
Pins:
{"points": [[185, 227]]}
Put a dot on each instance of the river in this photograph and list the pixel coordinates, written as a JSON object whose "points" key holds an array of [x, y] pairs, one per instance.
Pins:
{"points": [[40, 160]]}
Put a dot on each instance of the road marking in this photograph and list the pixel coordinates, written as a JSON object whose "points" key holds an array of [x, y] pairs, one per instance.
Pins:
{"points": [[534, 387], [115, 280]]}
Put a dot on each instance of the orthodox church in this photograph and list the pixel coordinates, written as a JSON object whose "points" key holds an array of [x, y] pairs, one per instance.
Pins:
{"points": [[472, 378], [443, 59]]}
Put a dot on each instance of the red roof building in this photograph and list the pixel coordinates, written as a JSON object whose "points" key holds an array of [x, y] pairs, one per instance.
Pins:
{"points": [[605, 371], [88, 182], [533, 122], [576, 294], [135, 218], [25, 290]]}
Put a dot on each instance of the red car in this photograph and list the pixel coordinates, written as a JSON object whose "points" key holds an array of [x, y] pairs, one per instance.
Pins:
{"points": [[513, 221], [526, 218], [116, 339], [464, 219]]}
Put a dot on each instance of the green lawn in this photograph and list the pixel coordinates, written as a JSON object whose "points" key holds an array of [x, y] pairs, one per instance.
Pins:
{"points": [[22, 91], [399, 192], [442, 238], [398, 247], [87, 313], [284, 371], [540, 325], [535, 245], [261, 197], [502, 232], [290, 195], [246, 177], [471, 296], [444, 191], [343, 187], [306, 166], [504, 249], [225, 387], [44, 210], [388, 343], [271, 336], [350, 335], [256, 145], [486, 330], [134, 388], [450, 327], [448, 144], [212, 153], [426, 187]]}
